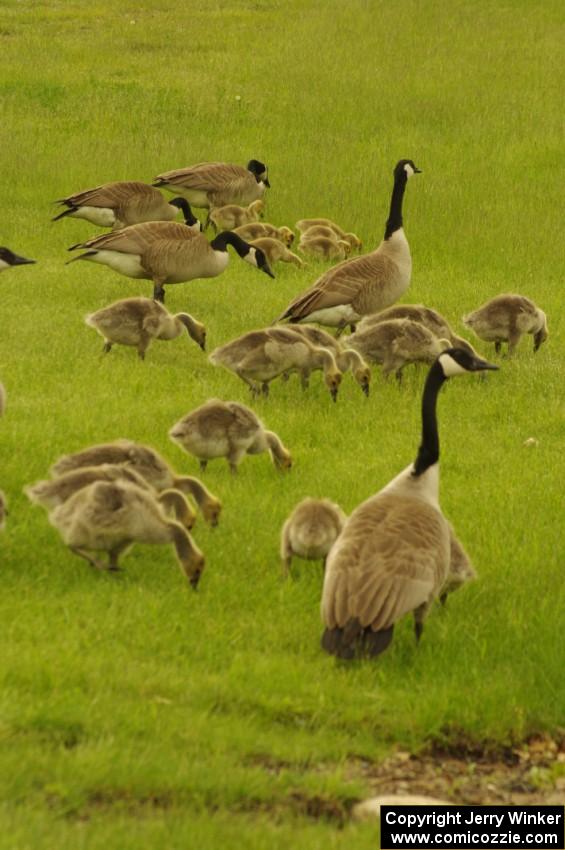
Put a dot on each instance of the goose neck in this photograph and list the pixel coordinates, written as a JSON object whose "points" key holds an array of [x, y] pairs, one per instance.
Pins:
{"points": [[394, 221], [428, 453], [228, 237]]}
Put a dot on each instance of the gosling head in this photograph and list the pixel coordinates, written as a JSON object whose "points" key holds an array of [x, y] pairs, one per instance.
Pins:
{"points": [[258, 208], [282, 459], [332, 380], [211, 511], [542, 334], [345, 246], [362, 375], [256, 257], [286, 235], [195, 330], [194, 567]]}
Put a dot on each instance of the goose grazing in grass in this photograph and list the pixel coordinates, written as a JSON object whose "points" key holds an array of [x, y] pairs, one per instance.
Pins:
{"points": [[324, 247], [259, 357], [8, 259], [148, 463], [216, 184], [231, 216], [138, 321], [393, 556], [330, 232], [166, 253], [260, 229], [506, 318], [310, 531], [111, 516], [276, 251], [227, 429], [431, 319], [366, 284], [396, 343], [122, 203]]}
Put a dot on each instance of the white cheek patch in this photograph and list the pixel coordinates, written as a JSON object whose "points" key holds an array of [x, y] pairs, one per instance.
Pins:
{"points": [[409, 170], [450, 366], [251, 257], [4, 265]]}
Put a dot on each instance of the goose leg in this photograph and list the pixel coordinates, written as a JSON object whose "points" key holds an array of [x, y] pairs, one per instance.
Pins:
{"points": [[513, 340], [107, 347], [113, 556], [497, 346], [265, 389], [158, 290], [82, 554], [203, 465]]}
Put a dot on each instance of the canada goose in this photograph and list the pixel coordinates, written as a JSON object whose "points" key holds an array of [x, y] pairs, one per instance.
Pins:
{"points": [[215, 184], [363, 285], [393, 555], [2, 399], [334, 232], [310, 531], [3, 511], [9, 259], [461, 570], [138, 321], [230, 216], [166, 252], [109, 516], [396, 343], [260, 229], [55, 491], [431, 319], [324, 248], [505, 318], [122, 203], [227, 429], [276, 251], [258, 357], [149, 464]]}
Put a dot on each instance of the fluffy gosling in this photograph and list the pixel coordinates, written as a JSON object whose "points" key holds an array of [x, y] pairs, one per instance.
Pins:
{"points": [[431, 319], [259, 229], [232, 216], [276, 251], [397, 343], [506, 318], [310, 531], [324, 248]]}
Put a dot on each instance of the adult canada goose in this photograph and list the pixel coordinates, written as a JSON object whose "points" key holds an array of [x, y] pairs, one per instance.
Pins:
{"points": [[9, 259], [138, 321], [260, 356], [166, 253], [431, 319], [122, 203], [149, 464], [110, 516], [396, 343], [232, 215], [55, 491], [324, 247], [227, 429], [215, 184], [506, 318], [366, 284], [334, 232], [393, 555], [276, 251], [260, 229], [310, 531]]}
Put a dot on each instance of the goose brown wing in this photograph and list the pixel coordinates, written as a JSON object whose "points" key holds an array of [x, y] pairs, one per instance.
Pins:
{"points": [[137, 238], [206, 176], [110, 195]]}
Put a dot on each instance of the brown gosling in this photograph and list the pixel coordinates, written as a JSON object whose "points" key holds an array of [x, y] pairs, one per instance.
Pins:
{"points": [[431, 319], [138, 321], [227, 429], [231, 216], [259, 229], [110, 516], [397, 343], [334, 232], [148, 463], [214, 184], [324, 248], [259, 357], [461, 570], [276, 251], [506, 318], [310, 531], [55, 491]]}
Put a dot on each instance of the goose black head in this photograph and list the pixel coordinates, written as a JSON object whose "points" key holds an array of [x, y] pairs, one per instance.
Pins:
{"points": [[257, 258], [8, 258], [189, 218], [457, 361], [407, 167], [259, 170]]}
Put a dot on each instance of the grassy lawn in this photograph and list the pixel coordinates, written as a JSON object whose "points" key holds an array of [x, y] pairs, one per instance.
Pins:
{"points": [[133, 712]]}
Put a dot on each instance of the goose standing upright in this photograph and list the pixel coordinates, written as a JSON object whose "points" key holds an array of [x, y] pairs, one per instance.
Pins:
{"points": [[393, 555], [363, 285]]}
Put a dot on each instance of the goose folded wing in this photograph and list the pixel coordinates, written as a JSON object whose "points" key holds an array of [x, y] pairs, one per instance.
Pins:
{"points": [[139, 237]]}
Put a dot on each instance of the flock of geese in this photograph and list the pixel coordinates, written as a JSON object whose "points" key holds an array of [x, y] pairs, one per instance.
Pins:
{"points": [[396, 553]]}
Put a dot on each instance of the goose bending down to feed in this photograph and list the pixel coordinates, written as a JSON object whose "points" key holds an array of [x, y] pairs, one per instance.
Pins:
{"points": [[138, 321], [8, 259], [122, 203], [330, 232], [506, 318], [166, 253], [324, 248], [232, 215], [216, 184], [366, 284], [55, 491], [396, 343], [147, 463], [259, 357], [431, 319], [260, 229], [310, 531], [276, 251], [227, 429], [111, 516], [393, 556]]}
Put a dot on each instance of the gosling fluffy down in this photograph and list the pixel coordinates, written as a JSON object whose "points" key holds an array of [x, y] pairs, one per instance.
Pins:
{"points": [[506, 318], [310, 531], [396, 343]]}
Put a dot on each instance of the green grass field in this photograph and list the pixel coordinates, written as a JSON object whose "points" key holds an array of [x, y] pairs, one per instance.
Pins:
{"points": [[133, 712]]}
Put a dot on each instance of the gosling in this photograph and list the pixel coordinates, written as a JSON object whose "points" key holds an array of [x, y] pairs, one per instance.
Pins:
{"points": [[276, 251], [506, 318], [310, 531], [232, 216], [324, 248], [461, 570], [431, 319], [397, 343], [258, 229], [306, 224]]}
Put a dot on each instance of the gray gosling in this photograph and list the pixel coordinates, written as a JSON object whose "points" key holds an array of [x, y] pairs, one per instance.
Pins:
{"points": [[122, 203], [276, 251], [393, 556], [324, 248], [111, 516], [227, 429], [506, 318], [259, 229], [215, 184], [54, 492], [431, 319], [461, 570], [8, 260], [148, 463], [138, 321], [231, 216], [310, 531], [258, 357], [320, 226], [397, 343]]}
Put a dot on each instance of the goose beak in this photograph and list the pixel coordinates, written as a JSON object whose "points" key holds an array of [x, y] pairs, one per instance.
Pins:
{"points": [[266, 182], [417, 170], [482, 365], [267, 269], [21, 261]]}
